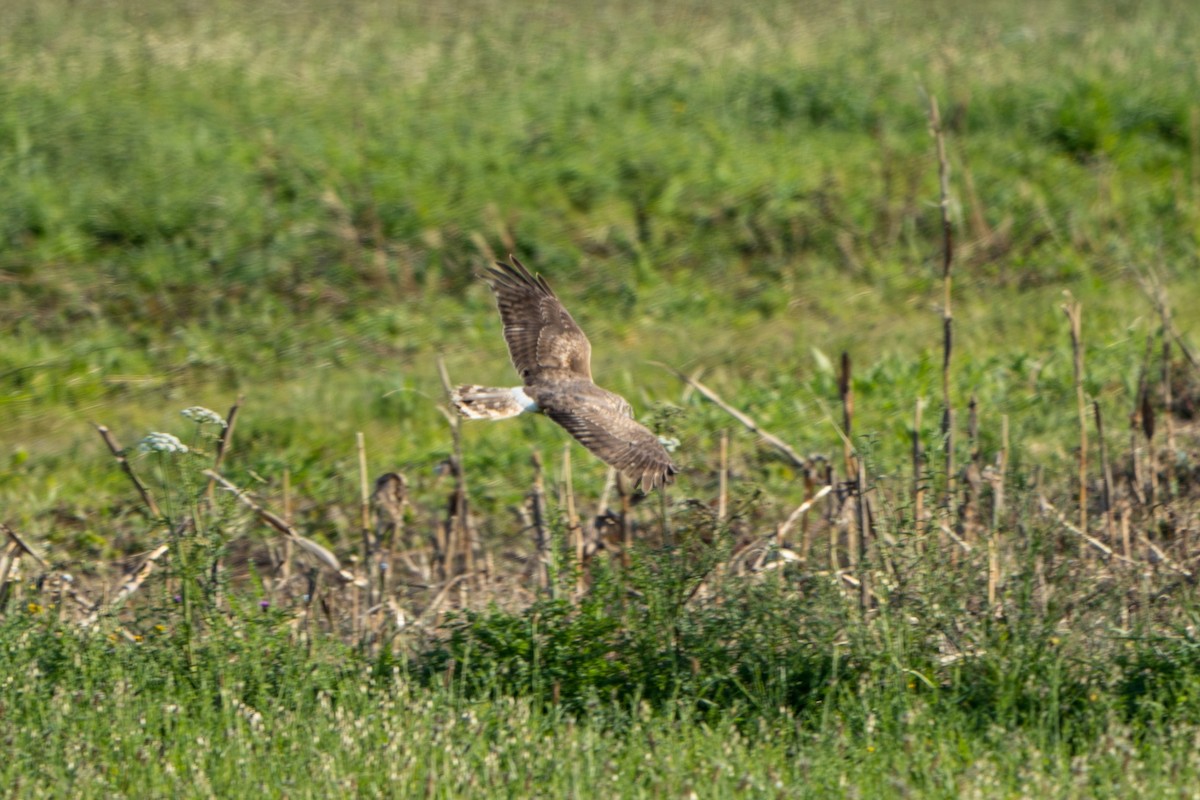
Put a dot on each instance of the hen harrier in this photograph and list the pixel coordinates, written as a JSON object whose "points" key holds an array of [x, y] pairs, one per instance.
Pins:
{"points": [[553, 357]]}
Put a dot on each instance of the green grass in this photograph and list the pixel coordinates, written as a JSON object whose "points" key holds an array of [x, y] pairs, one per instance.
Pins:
{"points": [[290, 202]]}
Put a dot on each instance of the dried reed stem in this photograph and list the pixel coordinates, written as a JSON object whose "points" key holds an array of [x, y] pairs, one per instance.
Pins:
{"points": [[626, 527], [935, 129], [224, 442], [846, 395], [8, 562], [994, 572], [1110, 527], [855, 533], [119, 455], [723, 478], [458, 532], [973, 474], [1164, 311], [795, 458], [1074, 312], [133, 581], [574, 529], [20, 542], [388, 500], [918, 468], [800, 511], [308, 545], [1083, 534], [864, 537], [537, 502], [370, 542], [285, 569]]}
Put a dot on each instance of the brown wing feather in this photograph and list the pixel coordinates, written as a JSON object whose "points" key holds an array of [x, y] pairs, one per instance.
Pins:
{"points": [[541, 334], [620, 442]]}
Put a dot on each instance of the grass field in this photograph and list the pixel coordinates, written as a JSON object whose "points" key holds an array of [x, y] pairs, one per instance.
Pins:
{"points": [[289, 203]]}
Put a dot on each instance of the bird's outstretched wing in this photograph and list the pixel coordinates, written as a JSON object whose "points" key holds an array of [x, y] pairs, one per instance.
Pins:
{"points": [[540, 333], [618, 441]]}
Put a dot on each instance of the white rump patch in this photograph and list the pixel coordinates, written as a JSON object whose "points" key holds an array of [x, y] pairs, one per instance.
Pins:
{"points": [[528, 406]]}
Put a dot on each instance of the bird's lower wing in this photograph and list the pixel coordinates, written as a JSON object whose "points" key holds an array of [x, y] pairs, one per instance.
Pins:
{"points": [[620, 442]]}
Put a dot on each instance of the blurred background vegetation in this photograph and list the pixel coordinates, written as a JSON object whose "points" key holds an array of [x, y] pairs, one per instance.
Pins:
{"points": [[291, 201]]}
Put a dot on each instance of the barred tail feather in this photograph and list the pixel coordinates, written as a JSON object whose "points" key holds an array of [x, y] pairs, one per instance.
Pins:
{"points": [[490, 402]]}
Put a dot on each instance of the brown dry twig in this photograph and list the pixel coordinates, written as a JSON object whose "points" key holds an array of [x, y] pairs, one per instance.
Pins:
{"points": [[133, 582], [119, 454], [275, 521], [12, 534], [223, 442], [796, 459]]}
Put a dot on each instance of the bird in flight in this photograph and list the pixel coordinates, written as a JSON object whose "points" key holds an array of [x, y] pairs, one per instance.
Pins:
{"points": [[553, 357]]}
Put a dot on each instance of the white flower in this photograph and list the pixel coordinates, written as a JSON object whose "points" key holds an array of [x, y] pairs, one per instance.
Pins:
{"points": [[155, 442], [205, 416]]}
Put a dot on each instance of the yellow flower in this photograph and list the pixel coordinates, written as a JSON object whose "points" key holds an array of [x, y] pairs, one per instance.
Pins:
{"points": [[160, 628], [34, 608]]}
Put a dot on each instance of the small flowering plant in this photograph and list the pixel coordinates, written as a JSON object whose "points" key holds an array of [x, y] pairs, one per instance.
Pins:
{"points": [[203, 416], [156, 442], [195, 539], [170, 444]]}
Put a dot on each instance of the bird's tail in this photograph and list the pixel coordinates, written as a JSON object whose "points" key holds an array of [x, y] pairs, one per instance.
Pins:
{"points": [[489, 402]]}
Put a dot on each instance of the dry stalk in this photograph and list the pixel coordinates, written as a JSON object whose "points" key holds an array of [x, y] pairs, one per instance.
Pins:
{"points": [[388, 499], [864, 536], [800, 511], [1083, 534], [1125, 514], [1110, 527], [846, 395], [723, 478], [973, 474], [1162, 557], [370, 542], [935, 129], [119, 455], [995, 578], [1164, 311], [308, 545], [133, 581], [795, 458], [537, 501], [574, 529], [1074, 312], [918, 465], [855, 533], [1141, 414], [8, 563], [20, 542], [954, 537], [224, 441], [285, 568], [626, 526], [440, 597], [610, 483], [459, 538]]}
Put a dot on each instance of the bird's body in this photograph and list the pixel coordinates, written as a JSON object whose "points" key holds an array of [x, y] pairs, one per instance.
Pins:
{"points": [[553, 357]]}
